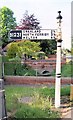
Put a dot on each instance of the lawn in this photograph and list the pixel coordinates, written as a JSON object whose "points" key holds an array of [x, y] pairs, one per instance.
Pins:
{"points": [[41, 105]]}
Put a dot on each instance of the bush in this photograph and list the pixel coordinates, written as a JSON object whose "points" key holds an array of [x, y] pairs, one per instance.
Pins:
{"points": [[16, 68], [41, 102], [65, 91], [26, 111]]}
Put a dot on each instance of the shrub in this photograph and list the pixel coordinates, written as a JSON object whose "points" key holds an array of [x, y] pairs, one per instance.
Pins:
{"points": [[26, 111], [41, 102]]}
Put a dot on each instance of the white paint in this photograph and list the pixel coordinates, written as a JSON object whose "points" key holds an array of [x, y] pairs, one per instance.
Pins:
{"points": [[58, 80], [38, 34], [58, 65]]}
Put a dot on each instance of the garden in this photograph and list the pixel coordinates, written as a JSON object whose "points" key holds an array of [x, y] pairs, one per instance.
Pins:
{"points": [[27, 101], [33, 102]]}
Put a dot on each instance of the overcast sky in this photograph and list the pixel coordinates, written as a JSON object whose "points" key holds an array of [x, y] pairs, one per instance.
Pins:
{"points": [[46, 12]]}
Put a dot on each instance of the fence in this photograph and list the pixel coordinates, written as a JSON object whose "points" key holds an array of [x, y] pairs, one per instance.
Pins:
{"points": [[30, 67]]}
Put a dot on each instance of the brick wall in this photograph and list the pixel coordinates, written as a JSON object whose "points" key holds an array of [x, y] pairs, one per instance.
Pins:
{"points": [[34, 80], [49, 64]]}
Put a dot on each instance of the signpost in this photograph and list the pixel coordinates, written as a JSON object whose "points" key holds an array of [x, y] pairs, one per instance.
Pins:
{"points": [[58, 62], [43, 34], [32, 34]]}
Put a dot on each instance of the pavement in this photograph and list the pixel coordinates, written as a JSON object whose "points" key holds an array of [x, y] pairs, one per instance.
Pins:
{"points": [[69, 114]]}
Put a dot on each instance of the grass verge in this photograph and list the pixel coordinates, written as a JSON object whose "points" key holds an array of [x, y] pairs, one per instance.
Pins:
{"points": [[34, 110]]}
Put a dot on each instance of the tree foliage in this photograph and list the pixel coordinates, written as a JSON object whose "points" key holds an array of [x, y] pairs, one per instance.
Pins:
{"points": [[22, 47], [48, 46], [7, 22], [12, 50], [28, 22]]}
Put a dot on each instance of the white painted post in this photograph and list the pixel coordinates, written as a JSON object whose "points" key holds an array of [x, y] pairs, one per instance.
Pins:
{"points": [[58, 63]]}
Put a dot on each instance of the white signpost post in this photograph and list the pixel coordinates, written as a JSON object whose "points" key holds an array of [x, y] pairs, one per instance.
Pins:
{"points": [[58, 61]]}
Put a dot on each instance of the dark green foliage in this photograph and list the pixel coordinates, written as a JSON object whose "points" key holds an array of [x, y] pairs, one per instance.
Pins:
{"points": [[66, 70], [26, 111], [48, 46], [65, 91], [18, 69], [7, 22]]}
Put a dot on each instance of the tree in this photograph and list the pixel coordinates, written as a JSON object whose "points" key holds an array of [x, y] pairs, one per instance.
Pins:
{"points": [[17, 49], [48, 46], [7, 22], [12, 50], [28, 22], [29, 48]]}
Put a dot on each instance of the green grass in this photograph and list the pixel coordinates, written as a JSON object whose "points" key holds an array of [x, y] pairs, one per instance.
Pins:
{"points": [[65, 91], [15, 65], [66, 70], [30, 112], [13, 93]]}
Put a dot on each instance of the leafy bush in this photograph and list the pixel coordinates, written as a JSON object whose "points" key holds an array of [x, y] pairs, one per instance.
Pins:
{"points": [[65, 91], [15, 68], [26, 111], [41, 102]]}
